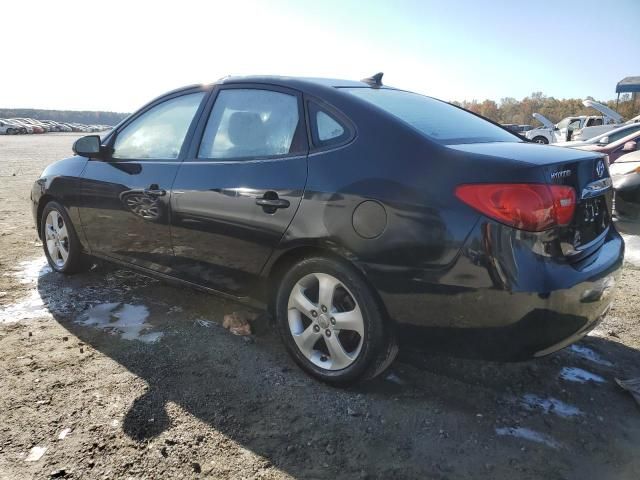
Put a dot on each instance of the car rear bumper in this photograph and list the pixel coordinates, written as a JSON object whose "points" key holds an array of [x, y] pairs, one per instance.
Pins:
{"points": [[500, 300]]}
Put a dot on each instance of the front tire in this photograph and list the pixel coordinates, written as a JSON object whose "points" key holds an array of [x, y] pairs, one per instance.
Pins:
{"points": [[60, 241], [541, 140], [332, 324]]}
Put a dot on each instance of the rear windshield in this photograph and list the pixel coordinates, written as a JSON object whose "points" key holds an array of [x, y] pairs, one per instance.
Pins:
{"points": [[437, 120]]}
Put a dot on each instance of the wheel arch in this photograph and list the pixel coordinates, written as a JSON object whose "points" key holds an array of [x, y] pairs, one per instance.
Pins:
{"points": [[276, 269], [42, 202]]}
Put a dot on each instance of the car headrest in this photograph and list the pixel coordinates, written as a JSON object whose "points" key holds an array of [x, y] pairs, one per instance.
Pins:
{"points": [[246, 130]]}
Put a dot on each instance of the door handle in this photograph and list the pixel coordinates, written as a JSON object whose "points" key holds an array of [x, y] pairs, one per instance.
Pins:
{"points": [[276, 203], [270, 202], [154, 191]]}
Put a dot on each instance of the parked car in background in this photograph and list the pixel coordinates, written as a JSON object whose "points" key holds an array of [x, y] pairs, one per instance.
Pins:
{"points": [[37, 126], [32, 125], [22, 128], [625, 174], [53, 126], [606, 137], [7, 128], [616, 149], [27, 126], [610, 120], [519, 129], [364, 216], [560, 132], [585, 126]]}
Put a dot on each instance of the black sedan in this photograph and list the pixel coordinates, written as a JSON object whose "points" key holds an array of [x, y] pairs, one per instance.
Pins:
{"points": [[363, 216]]}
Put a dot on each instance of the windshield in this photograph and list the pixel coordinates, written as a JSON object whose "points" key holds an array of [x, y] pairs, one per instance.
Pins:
{"points": [[438, 120]]}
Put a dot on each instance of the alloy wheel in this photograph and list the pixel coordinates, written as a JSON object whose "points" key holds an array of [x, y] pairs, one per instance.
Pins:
{"points": [[57, 238], [325, 321]]}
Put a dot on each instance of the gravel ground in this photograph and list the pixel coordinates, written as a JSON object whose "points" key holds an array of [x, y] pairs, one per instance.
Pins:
{"points": [[110, 374]]}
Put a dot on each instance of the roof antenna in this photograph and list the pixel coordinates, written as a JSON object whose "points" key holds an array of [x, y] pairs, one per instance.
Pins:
{"points": [[374, 80]]}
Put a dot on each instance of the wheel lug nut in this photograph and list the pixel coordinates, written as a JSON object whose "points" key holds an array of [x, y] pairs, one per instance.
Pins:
{"points": [[324, 309], [327, 332], [314, 314], [333, 321], [316, 328]]}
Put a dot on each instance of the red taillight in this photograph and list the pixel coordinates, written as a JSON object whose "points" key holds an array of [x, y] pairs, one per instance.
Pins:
{"points": [[527, 206]]}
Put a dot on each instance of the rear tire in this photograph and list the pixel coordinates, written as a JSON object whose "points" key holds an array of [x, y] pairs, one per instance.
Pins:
{"points": [[60, 241], [332, 323], [541, 140]]}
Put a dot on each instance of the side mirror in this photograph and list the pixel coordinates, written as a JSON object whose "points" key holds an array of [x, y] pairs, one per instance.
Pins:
{"points": [[88, 146], [604, 141], [629, 146]]}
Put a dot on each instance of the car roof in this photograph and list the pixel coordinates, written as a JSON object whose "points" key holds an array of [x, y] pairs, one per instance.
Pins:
{"points": [[293, 82], [305, 84]]}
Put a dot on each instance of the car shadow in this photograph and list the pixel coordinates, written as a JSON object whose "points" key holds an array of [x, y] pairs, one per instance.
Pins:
{"points": [[413, 422]]}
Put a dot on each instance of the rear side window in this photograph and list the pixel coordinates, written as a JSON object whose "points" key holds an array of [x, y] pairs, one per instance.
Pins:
{"points": [[327, 129], [158, 134], [246, 123], [437, 120]]}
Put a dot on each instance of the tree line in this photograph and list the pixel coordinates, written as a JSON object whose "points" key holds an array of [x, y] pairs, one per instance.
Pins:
{"points": [[510, 110], [67, 116], [507, 110]]}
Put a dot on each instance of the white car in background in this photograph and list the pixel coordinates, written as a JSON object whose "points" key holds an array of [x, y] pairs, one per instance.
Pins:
{"points": [[578, 127], [611, 120], [7, 128], [606, 137], [27, 128]]}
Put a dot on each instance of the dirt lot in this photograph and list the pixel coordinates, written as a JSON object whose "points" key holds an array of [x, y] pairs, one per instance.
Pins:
{"points": [[112, 375]]}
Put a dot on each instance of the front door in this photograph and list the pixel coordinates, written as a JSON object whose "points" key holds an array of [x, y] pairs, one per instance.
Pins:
{"points": [[240, 186], [125, 199]]}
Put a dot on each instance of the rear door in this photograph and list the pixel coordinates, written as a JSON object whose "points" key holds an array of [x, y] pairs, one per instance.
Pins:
{"points": [[239, 187], [125, 199]]}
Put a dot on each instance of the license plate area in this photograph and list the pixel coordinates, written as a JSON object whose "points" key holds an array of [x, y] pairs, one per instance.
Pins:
{"points": [[591, 219]]}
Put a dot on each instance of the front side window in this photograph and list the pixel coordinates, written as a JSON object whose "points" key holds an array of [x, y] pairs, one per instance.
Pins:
{"points": [[158, 134], [246, 123], [437, 120]]}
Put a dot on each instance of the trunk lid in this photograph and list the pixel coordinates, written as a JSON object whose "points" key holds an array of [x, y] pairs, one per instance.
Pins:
{"points": [[585, 171], [591, 180], [606, 111]]}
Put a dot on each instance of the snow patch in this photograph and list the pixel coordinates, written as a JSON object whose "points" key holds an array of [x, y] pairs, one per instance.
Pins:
{"points": [[632, 249], [588, 354], [32, 270], [35, 454], [127, 320], [528, 434], [573, 374], [32, 306], [549, 405], [26, 309]]}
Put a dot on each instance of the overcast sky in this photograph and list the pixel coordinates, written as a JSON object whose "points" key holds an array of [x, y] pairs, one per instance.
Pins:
{"points": [[116, 55]]}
